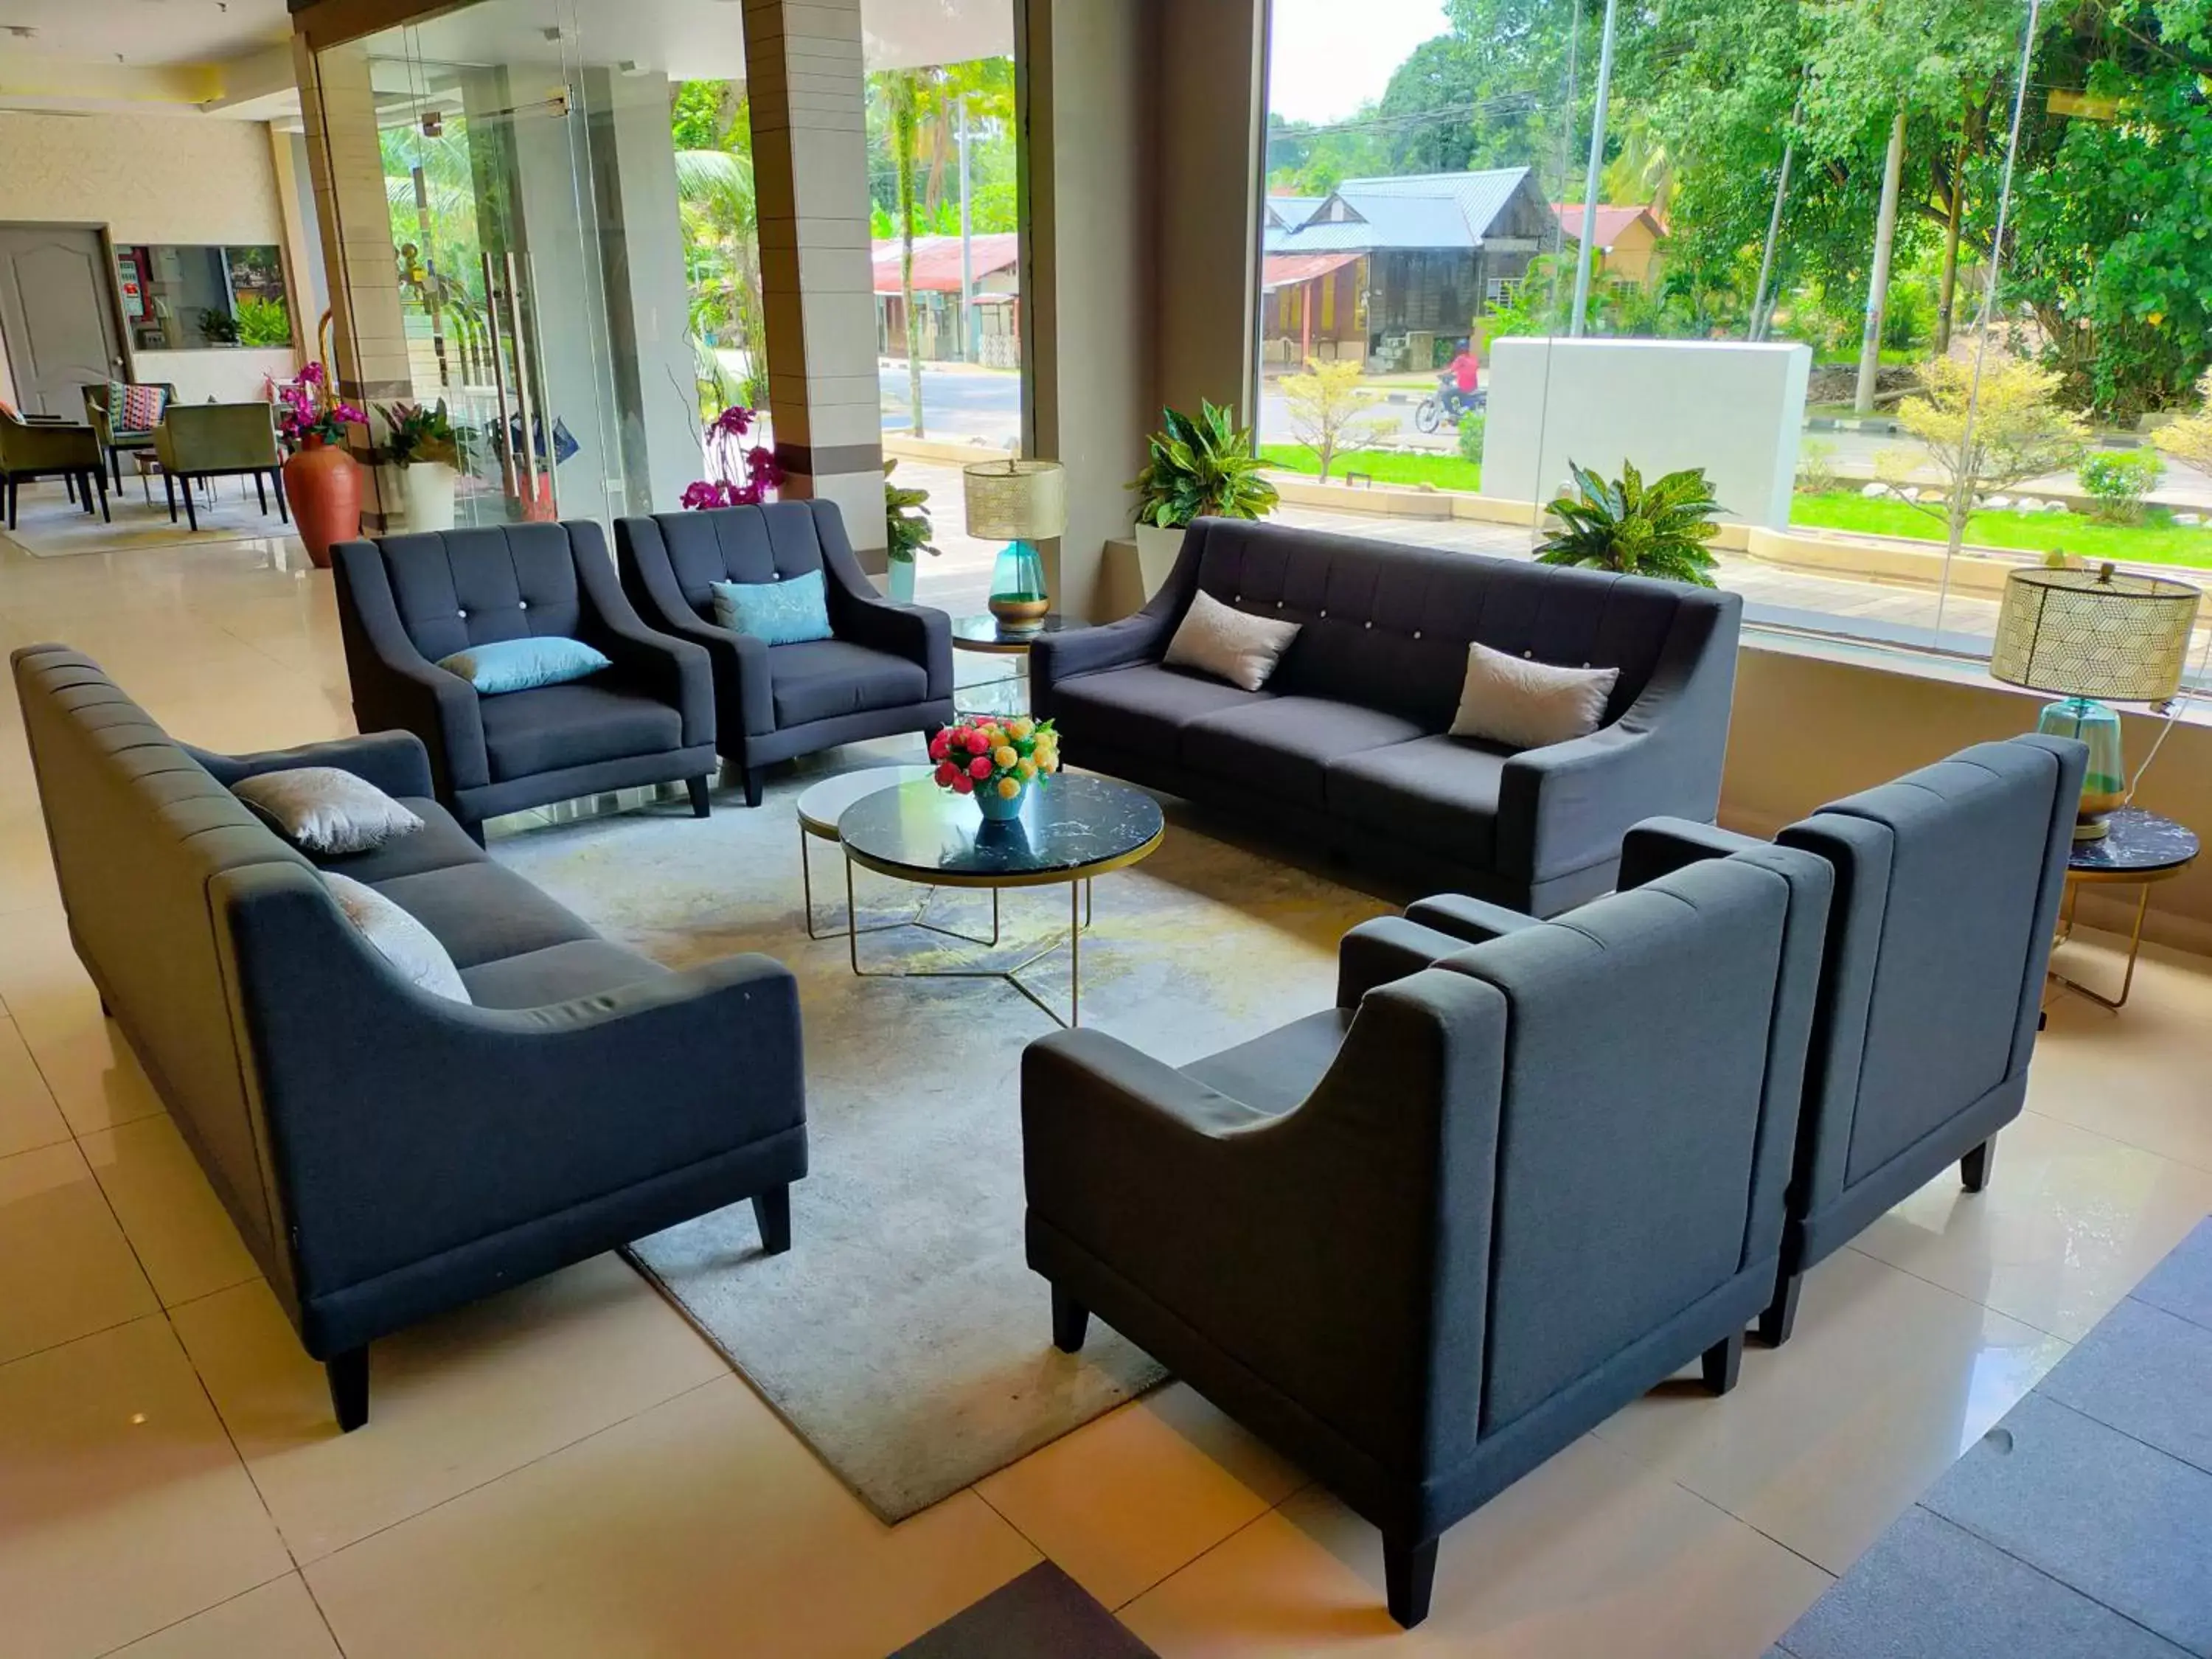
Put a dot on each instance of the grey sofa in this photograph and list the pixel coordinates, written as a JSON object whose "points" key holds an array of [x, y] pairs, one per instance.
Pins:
{"points": [[889, 670], [388, 1154], [1947, 886], [1422, 1240], [1346, 746], [407, 601]]}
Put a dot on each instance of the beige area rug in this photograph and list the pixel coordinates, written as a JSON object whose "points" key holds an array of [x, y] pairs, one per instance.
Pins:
{"points": [[51, 527], [903, 1335]]}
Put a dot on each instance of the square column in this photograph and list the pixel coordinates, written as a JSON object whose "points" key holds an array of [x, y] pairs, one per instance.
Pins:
{"points": [[809, 95]]}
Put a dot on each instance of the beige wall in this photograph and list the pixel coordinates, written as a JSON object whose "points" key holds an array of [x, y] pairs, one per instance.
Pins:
{"points": [[1807, 730], [191, 179]]}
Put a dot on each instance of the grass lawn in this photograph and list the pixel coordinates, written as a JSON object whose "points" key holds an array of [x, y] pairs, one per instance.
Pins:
{"points": [[2156, 540], [1385, 466]]}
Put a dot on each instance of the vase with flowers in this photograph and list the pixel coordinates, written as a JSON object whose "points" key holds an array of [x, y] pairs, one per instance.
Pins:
{"points": [[741, 470], [998, 759], [321, 481]]}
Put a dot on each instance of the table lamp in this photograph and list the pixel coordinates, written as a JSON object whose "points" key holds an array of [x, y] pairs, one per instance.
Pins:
{"points": [[2090, 635], [1025, 502]]}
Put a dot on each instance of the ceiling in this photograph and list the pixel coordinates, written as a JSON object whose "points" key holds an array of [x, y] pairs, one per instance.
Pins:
{"points": [[142, 34]]}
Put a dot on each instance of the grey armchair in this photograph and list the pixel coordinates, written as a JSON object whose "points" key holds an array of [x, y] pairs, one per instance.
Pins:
{"points": [[888, 670], [408, 601], [49, 449], [1423, 1239], [116, 441]]}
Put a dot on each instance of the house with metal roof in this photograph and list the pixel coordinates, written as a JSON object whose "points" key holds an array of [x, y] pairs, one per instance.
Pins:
{"points": [[992, 269], [1396, 269]]}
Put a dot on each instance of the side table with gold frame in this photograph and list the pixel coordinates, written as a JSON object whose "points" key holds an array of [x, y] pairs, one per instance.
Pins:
{"points": [[2139, 849]]}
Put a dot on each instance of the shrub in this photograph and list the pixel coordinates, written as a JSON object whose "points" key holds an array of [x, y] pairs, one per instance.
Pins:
{"points": [[2117, 482], [1621, 525], [1472, 427], [1816, 467]]}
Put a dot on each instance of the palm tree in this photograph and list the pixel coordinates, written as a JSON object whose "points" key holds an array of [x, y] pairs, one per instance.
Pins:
{"points": [[714, 192], [902, 92]]}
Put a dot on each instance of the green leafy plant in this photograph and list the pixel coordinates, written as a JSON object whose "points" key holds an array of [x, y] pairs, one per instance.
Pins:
{"points": [[1200, 468], [1659, 531], [1816, 467], [905, 523], [1473, 426], [264, 323], [417, 436], [217, 328], [2116, 483]]}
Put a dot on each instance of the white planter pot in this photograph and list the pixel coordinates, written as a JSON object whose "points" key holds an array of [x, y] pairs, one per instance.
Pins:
{"points": [[426, 491], [1157, 549], [899, 581]]}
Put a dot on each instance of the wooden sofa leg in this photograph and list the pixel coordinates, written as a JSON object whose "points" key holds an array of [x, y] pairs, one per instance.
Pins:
{"points": [[1409, 1573], [753, 784], [1723, 1362], [1070, 1320], [1974, 1168], [349, 1378], [1781, 1315], [699, 806], [772, 1215]]}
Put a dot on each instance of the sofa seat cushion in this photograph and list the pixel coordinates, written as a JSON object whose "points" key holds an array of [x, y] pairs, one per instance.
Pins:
{"points": [[823, 679], [1439, 792], [440, 844], [1283, 749], [554, 728], [1146, 706], [482, 911], [1273, 1073], [581, 967]]}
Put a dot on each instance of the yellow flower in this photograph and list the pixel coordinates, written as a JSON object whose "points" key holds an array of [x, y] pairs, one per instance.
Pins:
{"points": [[1004, 757], [1008, 788], [1026, 767], [1047, 763], [1021, 729]]}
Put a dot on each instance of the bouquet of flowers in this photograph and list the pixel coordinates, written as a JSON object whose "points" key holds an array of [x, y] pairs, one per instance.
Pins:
{"points": [[994, 759], [740, 474], [307, 413]]}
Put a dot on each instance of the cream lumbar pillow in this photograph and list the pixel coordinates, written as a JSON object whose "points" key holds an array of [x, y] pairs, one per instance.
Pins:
{"points": [[1230, 644], [401, 940], [1528, 704], [326, 810]]}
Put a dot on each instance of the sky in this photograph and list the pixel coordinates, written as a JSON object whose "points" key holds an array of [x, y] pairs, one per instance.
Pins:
{"points": [[1331, 56]]}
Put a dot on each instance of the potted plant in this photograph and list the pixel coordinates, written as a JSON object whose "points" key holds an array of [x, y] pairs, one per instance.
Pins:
{"points": [[1656, 531], [422, 446], [739, 474], [1195, 469], [321, 481], [996, 759], [905, 533]]}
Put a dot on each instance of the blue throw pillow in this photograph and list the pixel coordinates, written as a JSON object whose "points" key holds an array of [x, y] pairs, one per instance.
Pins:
{"points": [[521, 664], [782, 613]]}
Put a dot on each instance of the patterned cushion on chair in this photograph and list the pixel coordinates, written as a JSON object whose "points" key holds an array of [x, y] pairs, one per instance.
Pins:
{"points": [[135, 408]]}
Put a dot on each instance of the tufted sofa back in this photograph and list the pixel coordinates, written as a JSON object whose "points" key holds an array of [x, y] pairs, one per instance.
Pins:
{"points": [[456, 588], [1388, 626], [769, 544]]}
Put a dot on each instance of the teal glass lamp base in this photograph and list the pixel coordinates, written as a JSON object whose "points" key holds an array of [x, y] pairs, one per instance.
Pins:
{"points": [[2105, 784], [1019, 598]]}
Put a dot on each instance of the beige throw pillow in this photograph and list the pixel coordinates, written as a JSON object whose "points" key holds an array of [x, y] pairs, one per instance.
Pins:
{"points": [[400, 939], [326, 810], [1527, 704], [1230, 644]]}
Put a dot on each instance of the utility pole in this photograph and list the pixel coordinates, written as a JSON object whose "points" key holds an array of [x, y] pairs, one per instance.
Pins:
{"points": [[1762, 315], [970, 345], [1885, 240], [1590, 184]]}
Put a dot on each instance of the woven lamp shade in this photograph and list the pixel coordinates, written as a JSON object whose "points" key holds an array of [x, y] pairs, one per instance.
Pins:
{"points": [[1016, 501], [2100, 633]]}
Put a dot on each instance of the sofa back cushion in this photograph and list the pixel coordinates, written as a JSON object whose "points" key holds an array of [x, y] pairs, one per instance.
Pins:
{"points": [[770, 543], [456, 588], [1633, 1112], [138, 829], [1388, 626]]}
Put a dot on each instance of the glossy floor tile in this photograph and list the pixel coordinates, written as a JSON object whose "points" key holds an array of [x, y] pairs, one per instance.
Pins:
{"points": [[279, 1620], [183, 1237], [28, 1116], [65, 1268]]}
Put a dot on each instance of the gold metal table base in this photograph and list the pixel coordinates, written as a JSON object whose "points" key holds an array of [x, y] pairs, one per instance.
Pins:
{"points": [[919, 918], [2135, 945], [1079, 918]]}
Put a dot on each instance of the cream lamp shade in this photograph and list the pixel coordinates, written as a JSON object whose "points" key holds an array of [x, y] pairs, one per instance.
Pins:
{"points": [[2100, 633], [1016, 501]]}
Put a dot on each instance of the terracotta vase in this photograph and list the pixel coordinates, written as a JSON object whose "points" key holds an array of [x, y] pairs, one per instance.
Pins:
{"points": [[323, 485]]}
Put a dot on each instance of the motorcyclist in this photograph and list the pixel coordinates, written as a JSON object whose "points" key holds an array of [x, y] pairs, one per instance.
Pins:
{"points": [[1457, 386]]}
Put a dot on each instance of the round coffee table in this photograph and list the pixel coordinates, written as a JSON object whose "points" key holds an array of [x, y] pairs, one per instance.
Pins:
{"points": [[819, 809], [1071, 829], [2138, 847]]}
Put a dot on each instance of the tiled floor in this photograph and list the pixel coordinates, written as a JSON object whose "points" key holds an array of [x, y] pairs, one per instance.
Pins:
{"points": [[567, 1469]]}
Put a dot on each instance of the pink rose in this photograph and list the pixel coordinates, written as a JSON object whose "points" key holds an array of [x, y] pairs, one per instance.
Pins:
{"points": [[977, 744], [940, 746], [962, 784], [946, 773], [980, 768]]}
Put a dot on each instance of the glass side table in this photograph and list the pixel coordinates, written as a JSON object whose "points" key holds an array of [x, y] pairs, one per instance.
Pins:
{"points": [[1010, 694], [2140, 848]]}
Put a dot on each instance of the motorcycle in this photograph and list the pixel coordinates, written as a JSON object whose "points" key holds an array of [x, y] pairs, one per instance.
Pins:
{"points": [[1428, 414]]}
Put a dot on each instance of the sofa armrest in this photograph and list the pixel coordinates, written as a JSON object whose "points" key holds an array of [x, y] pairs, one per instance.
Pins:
{"points": [[1387, 949], [1658, 847], [918, 633], [395, 762], [677, 672], [395, 684], [1140, 638], [1470, 920]]}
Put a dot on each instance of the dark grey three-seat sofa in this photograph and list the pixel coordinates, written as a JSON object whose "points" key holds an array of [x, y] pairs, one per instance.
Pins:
{"points": [[1346, 747], [387, 1153]]}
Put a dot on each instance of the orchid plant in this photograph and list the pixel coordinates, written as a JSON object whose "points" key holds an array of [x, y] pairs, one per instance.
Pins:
{"points": [[739, 473], [308, 414]]}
